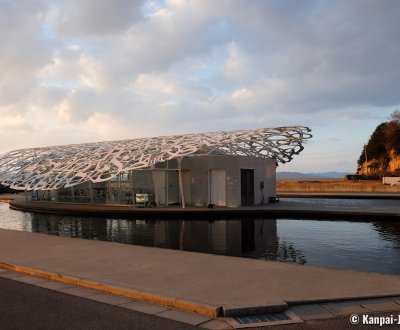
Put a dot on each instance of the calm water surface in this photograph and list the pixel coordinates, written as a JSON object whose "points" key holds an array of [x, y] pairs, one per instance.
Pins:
{"points": [[367, 246]]}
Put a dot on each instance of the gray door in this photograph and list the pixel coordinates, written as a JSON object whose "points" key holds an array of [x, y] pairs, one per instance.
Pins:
{"points": [[160, 189], [247, 187]]}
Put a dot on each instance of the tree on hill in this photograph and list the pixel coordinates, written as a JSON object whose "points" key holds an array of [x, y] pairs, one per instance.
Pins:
{"points": [[395, 116], [382, 149]]}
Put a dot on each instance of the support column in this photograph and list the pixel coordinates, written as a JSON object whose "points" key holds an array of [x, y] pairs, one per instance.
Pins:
{"points": [[155, 186], [107, 192], [54, 193], [90, 191], [167, 183], [181, 182], [73, 194], [132, 188]]}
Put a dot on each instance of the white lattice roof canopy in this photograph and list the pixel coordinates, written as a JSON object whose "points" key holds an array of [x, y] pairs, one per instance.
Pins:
{"points": [[69, 165]]}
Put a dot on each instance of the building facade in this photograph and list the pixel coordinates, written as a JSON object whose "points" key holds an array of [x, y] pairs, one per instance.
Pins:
{"points": [[227, 169]]}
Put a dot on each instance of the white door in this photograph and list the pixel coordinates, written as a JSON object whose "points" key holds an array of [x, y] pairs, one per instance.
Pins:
{"points": [[217, 187], [160, 187]]}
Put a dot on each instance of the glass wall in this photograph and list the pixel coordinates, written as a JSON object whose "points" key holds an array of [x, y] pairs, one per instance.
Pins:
{"points": [[118, 190], [161, 183]]}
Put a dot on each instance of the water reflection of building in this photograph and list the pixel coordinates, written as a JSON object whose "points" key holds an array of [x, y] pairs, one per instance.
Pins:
{"points": [[251, 238], [91, 228], [248, 237]]}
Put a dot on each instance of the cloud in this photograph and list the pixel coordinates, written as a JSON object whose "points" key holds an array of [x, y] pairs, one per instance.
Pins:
{"points": [[89, 18], [109, 69], [23, 52]]}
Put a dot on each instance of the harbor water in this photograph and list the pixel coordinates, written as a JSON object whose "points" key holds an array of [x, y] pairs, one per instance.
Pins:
{"points": [[361, 245]]}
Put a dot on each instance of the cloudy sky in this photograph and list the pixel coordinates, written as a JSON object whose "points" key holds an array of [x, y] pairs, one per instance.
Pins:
{"points": [[78, 71]]}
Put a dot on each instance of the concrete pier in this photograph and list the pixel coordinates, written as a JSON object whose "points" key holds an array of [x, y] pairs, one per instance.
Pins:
{"points": [[282, 209], [202, 283], [197, 288]]}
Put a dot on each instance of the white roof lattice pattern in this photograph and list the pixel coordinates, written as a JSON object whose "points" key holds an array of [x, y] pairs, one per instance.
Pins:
{"points": [[65, 166]]}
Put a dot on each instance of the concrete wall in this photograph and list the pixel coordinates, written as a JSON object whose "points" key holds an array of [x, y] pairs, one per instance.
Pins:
{"points": [[264, 170], [390, 180], [340, 186]]}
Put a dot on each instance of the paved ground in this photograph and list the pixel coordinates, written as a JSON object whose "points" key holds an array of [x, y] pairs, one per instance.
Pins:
{"points": [[28, 302], [25, 306], [187, 280]]}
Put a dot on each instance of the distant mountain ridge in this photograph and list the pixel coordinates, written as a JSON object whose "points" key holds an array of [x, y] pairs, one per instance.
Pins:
{"points": [[322, 175]]}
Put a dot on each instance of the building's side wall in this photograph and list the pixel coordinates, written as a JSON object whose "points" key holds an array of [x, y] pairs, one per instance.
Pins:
{"points": [[199, 167], [264, 170], [195, 176]]}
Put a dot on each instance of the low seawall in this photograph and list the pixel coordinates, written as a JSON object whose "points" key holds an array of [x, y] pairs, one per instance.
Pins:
{"points": [[334, 186]]}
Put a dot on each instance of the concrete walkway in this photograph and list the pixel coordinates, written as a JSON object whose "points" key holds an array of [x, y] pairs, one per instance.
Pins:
{"points": [[202, 283]]}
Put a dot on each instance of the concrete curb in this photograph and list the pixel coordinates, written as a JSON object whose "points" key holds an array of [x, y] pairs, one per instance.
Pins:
{"points": [[172, 302], [181, 304]]}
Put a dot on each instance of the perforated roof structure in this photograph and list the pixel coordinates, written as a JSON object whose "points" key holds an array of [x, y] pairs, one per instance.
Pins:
{"points": [[68, 165]]}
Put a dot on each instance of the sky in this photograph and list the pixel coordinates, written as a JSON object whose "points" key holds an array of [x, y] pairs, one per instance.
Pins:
{"points": [[78, 71]]}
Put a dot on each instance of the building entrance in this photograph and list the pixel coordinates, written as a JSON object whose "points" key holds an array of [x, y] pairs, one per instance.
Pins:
{"points": [[217, 187], [247, 187]]}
